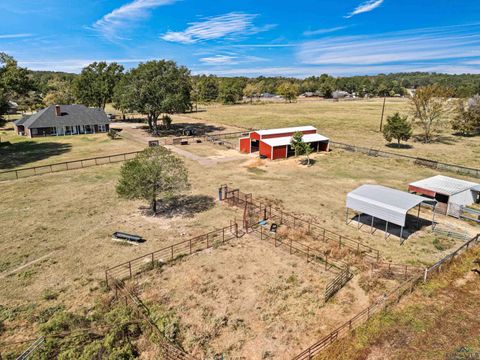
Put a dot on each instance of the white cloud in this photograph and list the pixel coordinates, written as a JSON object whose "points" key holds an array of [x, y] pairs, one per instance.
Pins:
{"points": [[413, 46], [120, 18], [231, 59], [14, 36], [222, 26], [367, 6], [219, 60], [74, 65], [324, 31]]}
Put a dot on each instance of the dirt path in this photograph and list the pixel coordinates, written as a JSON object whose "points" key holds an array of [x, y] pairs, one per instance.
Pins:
{"points": [[25, 265]]}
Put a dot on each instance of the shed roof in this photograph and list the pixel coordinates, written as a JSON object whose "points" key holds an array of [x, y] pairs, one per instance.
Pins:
{"points": [[444, 185], [384, 203], [285, 130], [282, 141], [71, 115]]}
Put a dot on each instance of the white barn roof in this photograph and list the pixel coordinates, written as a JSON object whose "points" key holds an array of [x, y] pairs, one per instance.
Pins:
{"points": [[282, 141], [383, 203], [285, 130], [444, 185]]}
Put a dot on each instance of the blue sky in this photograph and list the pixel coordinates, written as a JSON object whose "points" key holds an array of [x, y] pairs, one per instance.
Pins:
{"points": [[251, 38]]}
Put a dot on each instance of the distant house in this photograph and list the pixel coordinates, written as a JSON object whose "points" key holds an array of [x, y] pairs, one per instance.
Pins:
{"points": [[340, 94], [12, 108], [57, 120]]}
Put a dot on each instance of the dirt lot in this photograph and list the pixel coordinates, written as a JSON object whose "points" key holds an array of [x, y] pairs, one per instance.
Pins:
{"points": [[230, 301]]}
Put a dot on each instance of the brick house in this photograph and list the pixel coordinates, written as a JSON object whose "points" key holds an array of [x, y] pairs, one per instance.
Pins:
{"points": [[57, 120]]}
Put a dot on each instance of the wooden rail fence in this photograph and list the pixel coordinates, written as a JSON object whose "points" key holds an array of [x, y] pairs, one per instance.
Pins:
{"points": [[382, 303], [235, 197], [65, 166], [130, 268], [433, 164]]}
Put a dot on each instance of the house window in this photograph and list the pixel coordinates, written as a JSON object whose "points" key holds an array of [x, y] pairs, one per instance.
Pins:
{"points": [[34, 131], [101, 128], [53, 131]]}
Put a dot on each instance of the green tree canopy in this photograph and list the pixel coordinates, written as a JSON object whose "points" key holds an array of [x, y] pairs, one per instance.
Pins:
{"points": [[301, 147], [397, 127], [155, 88], [467, 116], [15, 84], [231, 91], [155, 173], [288, 90], [208, 88], [94, 86]]}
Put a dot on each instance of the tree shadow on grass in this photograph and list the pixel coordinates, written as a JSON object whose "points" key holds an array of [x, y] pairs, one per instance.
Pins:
{"points": [[26, 152], [184, 205], [399, 146]]}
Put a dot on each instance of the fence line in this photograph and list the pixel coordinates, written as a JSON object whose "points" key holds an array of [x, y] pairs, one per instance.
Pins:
{"points": [[205, 137], [131, 268], [434, 164], [382, 303], [236, 197], [32, 348], [297, 248], [169, 350], [336, 284], [65, 166]]}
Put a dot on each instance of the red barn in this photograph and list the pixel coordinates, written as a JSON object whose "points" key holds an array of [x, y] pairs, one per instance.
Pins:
{"points": [[275, 143]]}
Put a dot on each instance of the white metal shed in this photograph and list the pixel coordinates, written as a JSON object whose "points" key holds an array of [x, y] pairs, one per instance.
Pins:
{"points": [[450, 191], [384, 203]]}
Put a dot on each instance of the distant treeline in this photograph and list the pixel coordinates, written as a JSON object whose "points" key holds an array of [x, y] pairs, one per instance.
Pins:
{"points": [[210, 87]]}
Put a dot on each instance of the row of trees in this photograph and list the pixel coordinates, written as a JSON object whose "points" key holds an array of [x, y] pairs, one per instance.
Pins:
{"points": [[433, 108]]}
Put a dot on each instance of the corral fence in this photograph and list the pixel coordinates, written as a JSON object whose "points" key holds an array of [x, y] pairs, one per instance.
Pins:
{"points": [[32, 349], [168, 350], [116, 275], [235, 197], [131, 268], [336, 284], [65, 166], [381, 304], [295, 247], [218, 139], [433, 164], [312, 255]]}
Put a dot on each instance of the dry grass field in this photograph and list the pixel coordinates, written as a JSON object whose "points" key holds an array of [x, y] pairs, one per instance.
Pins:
{"points": [[57, 228], [438, 321], [230, 301], [351, 121]]}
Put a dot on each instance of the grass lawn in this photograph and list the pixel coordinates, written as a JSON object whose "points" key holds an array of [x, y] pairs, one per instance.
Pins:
{"points": [[355, 122], [25, 152]]}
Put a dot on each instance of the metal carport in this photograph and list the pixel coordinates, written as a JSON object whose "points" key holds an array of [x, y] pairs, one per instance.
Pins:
{"points": [[384, 203]]}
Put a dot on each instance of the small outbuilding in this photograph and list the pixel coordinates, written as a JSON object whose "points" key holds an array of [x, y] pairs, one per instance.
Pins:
{"points": [[450, 193], [383, 203], [275, 143]]}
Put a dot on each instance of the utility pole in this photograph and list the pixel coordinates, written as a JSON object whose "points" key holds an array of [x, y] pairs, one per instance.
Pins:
{"points": [[383, 111]]}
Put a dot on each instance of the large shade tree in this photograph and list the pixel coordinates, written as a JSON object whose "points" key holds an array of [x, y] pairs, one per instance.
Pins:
{"points": [[430, 109], [154, 174], [94, 86], [15, 82], [155, 88]]}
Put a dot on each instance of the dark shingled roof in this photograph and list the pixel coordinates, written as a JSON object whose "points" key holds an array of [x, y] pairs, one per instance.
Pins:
{"points": [[22, 120], [71, 115]]}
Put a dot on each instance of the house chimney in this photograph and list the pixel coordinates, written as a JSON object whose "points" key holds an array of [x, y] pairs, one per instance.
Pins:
{"points": [[58, 112]]}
